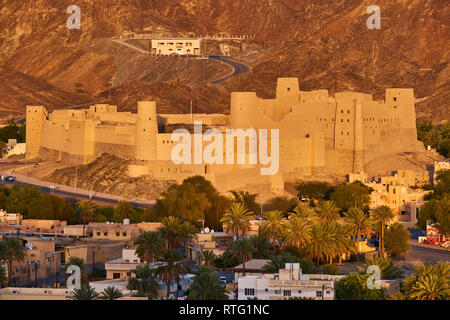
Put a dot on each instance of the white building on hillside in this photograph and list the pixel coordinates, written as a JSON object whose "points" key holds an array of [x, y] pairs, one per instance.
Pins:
{"points": [[288, 283], [177, 46]]}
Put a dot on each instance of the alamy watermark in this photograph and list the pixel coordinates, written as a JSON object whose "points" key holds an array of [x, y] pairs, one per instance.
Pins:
{"points": [[74, 280], [374, 280], [374, 21], [213, 153], [74, 20]]}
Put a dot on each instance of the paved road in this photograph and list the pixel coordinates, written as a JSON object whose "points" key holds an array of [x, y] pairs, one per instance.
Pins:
{"points": [[427, 255], [237, 67], [53, 188]]}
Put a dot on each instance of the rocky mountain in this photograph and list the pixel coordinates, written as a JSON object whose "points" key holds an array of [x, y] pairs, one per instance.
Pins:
{"points": [[326, 44]]}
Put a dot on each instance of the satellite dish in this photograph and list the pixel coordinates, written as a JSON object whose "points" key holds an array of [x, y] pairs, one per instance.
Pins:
{"points": [[29, 246], [207, 230], [212, 231]]}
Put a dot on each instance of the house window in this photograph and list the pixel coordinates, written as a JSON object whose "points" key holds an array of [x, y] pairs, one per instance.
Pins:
{"points": [[98, 233], [249, 292], [286, 293], [117, 234], [318, 293], [299, 291], [116, 275], [124, 234], [105, 233]]}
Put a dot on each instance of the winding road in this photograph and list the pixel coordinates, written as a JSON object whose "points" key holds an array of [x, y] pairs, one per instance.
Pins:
{"points": [[237, 67]]}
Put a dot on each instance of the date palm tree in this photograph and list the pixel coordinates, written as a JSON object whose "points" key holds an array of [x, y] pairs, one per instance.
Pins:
{"points": [[327, 211], [382, 215], [170, 231], [273, 226], [207, 258], [303, 211], [242, 250], [298, 232], [11, 250], [171, 269], [359, 223], [84, 293], [111, 293], [145, 282], [429, 282], [149, 246], [3, 276], [388, 270], [206, 286], [186, 233], [341, 241], [321, 244], [86, 213], [237, 219]]}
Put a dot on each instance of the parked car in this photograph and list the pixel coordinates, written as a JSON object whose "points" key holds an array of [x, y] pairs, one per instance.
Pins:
{"points": [[223, 281], [427, 241], [10, 178]]}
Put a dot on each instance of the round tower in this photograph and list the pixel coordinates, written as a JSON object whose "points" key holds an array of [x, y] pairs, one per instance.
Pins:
{"points": [[243, 109], [146, 131]]}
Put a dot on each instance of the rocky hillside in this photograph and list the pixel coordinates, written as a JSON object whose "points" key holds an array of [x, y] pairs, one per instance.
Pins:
{"points": [[326, 44]]}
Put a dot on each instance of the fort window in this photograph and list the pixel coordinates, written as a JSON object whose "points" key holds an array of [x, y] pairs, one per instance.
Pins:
{"points": [[348, 111], [117, 234], [124, 234], [289, 89], [395, 99], [342, 120], [348, 133], [342, 111], [348, 120], [98, 233], [105, 233]]}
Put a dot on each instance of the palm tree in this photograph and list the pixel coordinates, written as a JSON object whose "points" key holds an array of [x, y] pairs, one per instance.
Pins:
{"points": [[388, 270], [298, 232], [149, 246], [111, 293], [242, 250], [3, 276], [429, 282], [327, 211], [170, 231], [382, 215], [123, 210], [86, 212], [273, 226], [79, 262], [304, 212], [207, 258], [171, 269], [237, 219], [145, 282], [358, 222], [341, 242], [206, 286], [261, 247], [321, 245], [11, 250], [187, 232], [85, 293]]}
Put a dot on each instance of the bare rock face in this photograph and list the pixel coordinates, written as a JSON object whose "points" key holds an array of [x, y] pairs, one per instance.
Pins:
{"points": [[326, 44], [108, 174]]}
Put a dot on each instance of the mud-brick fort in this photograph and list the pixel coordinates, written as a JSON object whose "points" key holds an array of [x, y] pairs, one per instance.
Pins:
{"points": [[319, 134]]}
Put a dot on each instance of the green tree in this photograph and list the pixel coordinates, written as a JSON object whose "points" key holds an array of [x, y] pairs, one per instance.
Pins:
{"points": [[171, 269], [186, 233], [86, 212], [342, 243], [274, 225], [111, 293], [321, 245], [314, 190], [145, 282], [206, 286], [354, 287], [11, 250], [183, 201], [208, 258], [20, 198], [351, 195], [243, 251], [3, 276], [388, 270], [397, 240], [247, 199], [437, 211], [298, 232], [429, 282], [170, 231], [278, 261], [304, 212], [261, 247], [327, 211], [51, 207], [149, 246], [359, 223], [84, 293], [123, 210], [283, 204], [237, 219], [382, 215]]}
